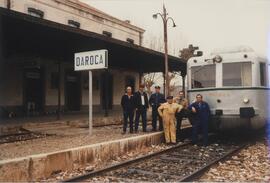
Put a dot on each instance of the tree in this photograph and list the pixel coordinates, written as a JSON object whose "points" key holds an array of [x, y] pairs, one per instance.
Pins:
{"points": [[187, 53], [150, 79]]}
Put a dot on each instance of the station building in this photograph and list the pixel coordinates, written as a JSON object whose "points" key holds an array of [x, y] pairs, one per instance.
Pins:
{"points": [[38, 42]]}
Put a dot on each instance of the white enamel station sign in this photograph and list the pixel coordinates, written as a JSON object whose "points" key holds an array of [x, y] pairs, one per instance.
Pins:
{"points": [[91, 60]]}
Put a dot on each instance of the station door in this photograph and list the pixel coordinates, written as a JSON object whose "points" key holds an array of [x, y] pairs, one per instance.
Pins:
{"points": [[33, 82], [72, 91]]}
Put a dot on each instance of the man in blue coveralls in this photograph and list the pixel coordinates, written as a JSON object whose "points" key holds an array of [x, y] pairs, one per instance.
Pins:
{"points": [[200, 119]]}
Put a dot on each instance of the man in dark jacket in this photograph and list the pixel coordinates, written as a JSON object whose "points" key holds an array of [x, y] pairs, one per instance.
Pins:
{"points": [[155, 101], [201, 114], [141, 108], [128, 105]]}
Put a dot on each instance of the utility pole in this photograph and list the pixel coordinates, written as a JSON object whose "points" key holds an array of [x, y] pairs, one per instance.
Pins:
{"points": [[165, 20], [186, 54]]}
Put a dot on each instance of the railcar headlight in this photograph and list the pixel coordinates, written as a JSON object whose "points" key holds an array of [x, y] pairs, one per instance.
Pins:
{"points": [[246, 100], [217, 59]]}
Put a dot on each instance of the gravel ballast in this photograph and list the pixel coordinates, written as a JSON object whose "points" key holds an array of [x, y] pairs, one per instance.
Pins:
{"points": [[251, 164]]}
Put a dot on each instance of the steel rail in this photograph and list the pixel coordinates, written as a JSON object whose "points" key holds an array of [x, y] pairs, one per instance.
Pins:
{"points": [[195, 175], [123, 164]]}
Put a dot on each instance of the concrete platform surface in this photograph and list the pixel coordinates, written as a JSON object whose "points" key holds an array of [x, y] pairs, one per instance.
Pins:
{"points": [[40, 166], [80, 119]]}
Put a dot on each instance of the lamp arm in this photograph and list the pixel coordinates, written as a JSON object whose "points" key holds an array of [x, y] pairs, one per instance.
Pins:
{"points": [[161, 16], [170, 18]]}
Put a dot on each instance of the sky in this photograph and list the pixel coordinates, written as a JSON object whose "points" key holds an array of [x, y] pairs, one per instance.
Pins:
{"points": [[209, 24]]}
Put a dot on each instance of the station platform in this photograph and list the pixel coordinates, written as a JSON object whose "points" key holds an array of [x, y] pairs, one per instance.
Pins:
{"points": [[67, 147], [72, 119]]}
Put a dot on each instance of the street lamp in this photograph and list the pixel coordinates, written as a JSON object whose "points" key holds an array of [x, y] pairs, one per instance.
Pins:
{"points": [[165, 20]]}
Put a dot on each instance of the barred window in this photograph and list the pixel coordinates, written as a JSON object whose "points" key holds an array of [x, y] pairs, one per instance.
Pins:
{"points": [[35, 12], [106, 33], [130, 40], [73, 23]]}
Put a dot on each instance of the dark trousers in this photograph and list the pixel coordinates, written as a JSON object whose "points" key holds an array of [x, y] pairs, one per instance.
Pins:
{"points": [[128, 116], [184, 113], [141, 113], [179, 118], [200, 125], [155, 115]]}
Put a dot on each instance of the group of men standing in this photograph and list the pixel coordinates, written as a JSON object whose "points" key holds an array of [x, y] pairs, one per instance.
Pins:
{"points": [[166, 112], [138, 104]]}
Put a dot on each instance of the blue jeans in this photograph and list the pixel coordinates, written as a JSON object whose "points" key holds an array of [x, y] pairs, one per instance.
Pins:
{"points": [[139, 113], [128, 116], [200, 124]]}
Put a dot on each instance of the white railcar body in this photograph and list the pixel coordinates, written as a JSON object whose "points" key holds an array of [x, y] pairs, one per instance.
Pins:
{"points": [[236, 86]]}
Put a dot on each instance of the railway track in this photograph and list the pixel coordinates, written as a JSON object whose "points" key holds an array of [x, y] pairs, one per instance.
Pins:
{"points": [[182, 162], [21, 135]]}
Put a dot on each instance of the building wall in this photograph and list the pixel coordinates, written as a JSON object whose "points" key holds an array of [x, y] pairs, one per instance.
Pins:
{"points": [[11, 87], [3, 3], [56, 11], [12, 70]]}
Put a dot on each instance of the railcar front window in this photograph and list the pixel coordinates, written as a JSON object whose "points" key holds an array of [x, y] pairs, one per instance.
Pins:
{"points": [[237, 74], [203, 76]]}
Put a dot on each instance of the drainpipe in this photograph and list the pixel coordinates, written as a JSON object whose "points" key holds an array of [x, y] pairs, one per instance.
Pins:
{"points": [[59, 92], [8, 4]]}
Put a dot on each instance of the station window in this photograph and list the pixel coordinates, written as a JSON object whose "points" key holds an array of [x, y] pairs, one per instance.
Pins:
{"points": [[263, 74], [203, 76], [73, 23], [35, 12], [237, 74], [106, 33], [130, 40]]}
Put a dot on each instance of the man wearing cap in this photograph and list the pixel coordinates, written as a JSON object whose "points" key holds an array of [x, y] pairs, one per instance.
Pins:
{"points": [[156, 99], [141, 101], [167, 111]]}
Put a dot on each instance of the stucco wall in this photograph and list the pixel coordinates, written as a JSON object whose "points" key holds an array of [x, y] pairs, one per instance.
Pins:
{"points": [[61, 13], [3, 3], [11, 87]]}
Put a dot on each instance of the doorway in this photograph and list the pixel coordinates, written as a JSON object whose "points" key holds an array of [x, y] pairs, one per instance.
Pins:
{"points": [[72, 90], [33, 82], [106, 90]]}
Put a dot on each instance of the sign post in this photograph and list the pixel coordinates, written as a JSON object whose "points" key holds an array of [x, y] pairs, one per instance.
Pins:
{"points": [[88, 61], [90, 104]]}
